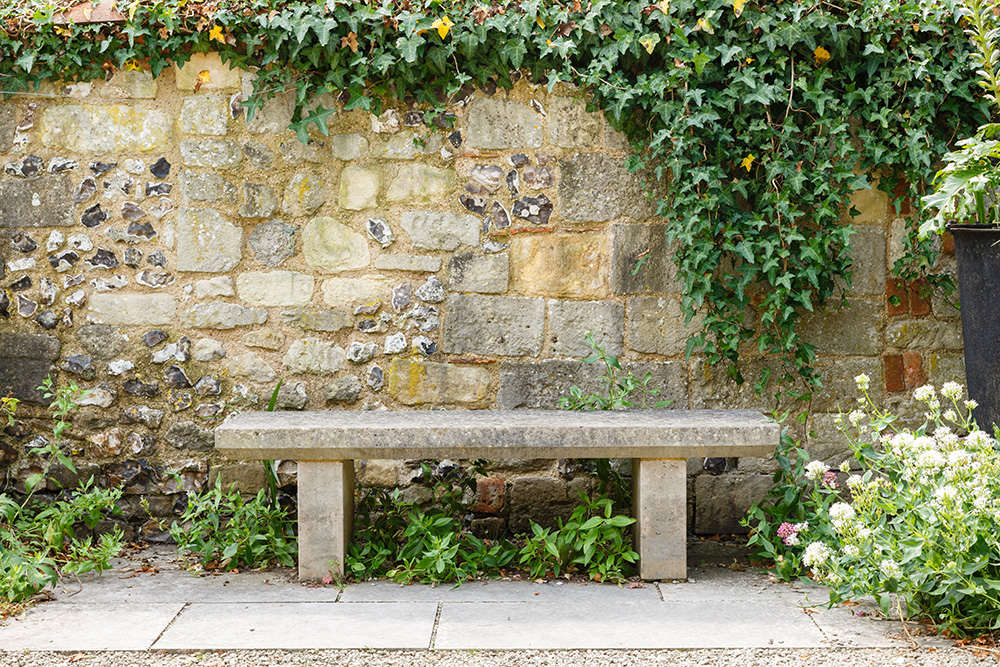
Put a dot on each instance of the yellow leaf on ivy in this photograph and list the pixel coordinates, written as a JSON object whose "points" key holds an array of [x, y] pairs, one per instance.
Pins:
{"points": [[443, 25], [704, 26], [738, 7], [663, 6], [821, 55], [649, 41], [132, 65], [204, 76], [539, 21], [747, 161], [216, 34]]}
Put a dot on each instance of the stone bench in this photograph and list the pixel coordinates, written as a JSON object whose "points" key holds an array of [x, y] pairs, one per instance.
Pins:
{"points": [[325, 444]]}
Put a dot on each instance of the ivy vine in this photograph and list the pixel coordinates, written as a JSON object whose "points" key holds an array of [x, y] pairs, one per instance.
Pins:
{"points": [[759, 117]]}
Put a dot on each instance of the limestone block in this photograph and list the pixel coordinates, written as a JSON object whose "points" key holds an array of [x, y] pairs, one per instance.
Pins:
{"points": [[207, 349], [348, 146], [331, 246], [430, 230], [274, 117], [347, 293], [931, 334], [421, 183], [207, 242], [543, 500], [560, 266], [272, 242], [570, 321], [275, 288], [416, 263], [217, 286], [721, 501], [872, 205], [855, 329], [570, 126], [204, 115], [379, 472], [105, 129], [359, 188], [493, 325], [406, 146], [131, 84], [220, 76], [868, 251], [269, 340], [413, 382], [598, 188], [259, 200], [44, 201], [313, 355], [27, 360], [222, 316], [206, 187], [247, 478], [104, 342], [498, 123], [211, 153], [540, 384], [632, 243], [656, 325], [7, 125], [249, 366], [131, 309], [304, 195], [943, 367], [318, 320], [489, 274], [839, 389]]}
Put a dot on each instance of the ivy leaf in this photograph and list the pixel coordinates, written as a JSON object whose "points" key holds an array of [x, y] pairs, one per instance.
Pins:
{"points": [[738, 7], [443, 25], [216, 34], [649, 41], [349, 41], [408, 47]]}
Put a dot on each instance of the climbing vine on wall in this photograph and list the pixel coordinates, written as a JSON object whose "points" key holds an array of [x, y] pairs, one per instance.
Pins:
{"points": [[759, 118]]}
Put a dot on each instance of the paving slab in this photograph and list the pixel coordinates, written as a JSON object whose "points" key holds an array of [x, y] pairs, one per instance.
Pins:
{"points": [[723, 584], [638, 625], [499, 591], [96, 627], [298, 625]]}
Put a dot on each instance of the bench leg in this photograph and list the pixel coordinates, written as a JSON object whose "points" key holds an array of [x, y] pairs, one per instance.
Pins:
{"points": [[326, 516], [660, 498]]}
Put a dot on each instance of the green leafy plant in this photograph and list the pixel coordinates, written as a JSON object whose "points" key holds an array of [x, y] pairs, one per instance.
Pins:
{"points": [[591, 541]]}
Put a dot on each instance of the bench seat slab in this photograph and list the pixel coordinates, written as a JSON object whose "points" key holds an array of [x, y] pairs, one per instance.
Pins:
{"points": [[326, 516]]}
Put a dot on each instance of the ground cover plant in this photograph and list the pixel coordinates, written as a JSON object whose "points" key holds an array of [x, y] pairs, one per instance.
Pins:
{"points": [[45, 531], [756, 120]]}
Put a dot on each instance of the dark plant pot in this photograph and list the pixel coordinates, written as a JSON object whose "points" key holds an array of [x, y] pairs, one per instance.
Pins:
{"points": [[977, 250]]}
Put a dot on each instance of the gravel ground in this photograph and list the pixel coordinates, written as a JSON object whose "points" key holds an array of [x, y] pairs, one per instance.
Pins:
{"points": [[956, 657]]}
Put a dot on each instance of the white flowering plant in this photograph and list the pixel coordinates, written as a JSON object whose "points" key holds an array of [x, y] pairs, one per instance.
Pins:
{"points": [[923, 521]]}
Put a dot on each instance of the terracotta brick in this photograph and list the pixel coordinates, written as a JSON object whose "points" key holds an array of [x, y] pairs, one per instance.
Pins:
{"points": [[920, 305], [892, 371], [895, 288], [902, 186], [489, 495], [913, 370]]}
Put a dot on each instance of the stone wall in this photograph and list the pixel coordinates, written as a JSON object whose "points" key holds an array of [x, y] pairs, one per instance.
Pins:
{"points": [[178, 260]]}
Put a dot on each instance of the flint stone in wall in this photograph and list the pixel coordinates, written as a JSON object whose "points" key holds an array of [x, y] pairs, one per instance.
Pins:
{"points": [[722, 500], [496, 123], [188, 435], [431, 230], [359, 188], [570, 126], [488, 274], [330, 246], [493, 325], [933, 334], [631, 243], [656, 325], [207, 187], [207, 242], [212, 153], [304, 195], [25, 361], [105, 129], [272, 242], [313, 355], [416, 263], [103, 342], [571, 266], [413, 382], [540, 384], [598, 188], [222, 316], [292, 397], [569, 321], [7, 124], [204, 115], [131, 309], [420, 183], [249, 366], [275, 288], [45, 201], [854, 329], [348, 146], [349, 292]]}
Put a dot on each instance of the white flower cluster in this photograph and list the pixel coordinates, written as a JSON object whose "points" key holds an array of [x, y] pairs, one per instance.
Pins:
{"points": [[890, 569], [816, 554], [815, 470], [862, 382], [952, 390], [841, 515]]}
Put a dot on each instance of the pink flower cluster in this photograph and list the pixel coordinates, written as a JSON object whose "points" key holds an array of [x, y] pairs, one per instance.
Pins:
{"points": [[789, 533], [830, 479]]}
